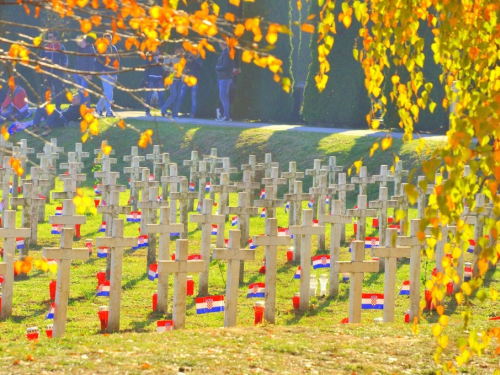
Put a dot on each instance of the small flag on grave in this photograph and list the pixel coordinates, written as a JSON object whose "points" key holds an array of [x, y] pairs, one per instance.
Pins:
{"points": [[467, 271], [164, 325], [256, 290], [315, 223], [310, 204], [262, 194], [372, 301], [194, 257], [283, 231], [151, 177], [2, 205], [191, 186], [207, 187], [153, 272], [321, 261], [405, 288], [56, 229], [371, 242], [252, 246], [41, 196], [96, 191], [210, 304], [10, 187], [234, 221], [214, 229], [398, 227], [20, 243], [130, 201], [263, 212], [472, 245], [102, 252], [129, 182], [58, 211], [103, 290], [297, 273], [287, 206], [1, 279], [327, 199], [102, 227], [142, 241], [160, 199], [50, 314], [134, 217], [199, 206]]}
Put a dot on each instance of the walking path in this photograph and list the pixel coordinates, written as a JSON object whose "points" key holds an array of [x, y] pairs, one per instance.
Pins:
{"points": [[139, 115]]}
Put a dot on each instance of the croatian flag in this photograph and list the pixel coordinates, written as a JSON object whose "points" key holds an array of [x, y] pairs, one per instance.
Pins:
{"points": [[262, 194], [472, 245], [134, 217], [142, 241], [164, 325], [315, 223], [50, 314], [297, 273], [210, 304], [467, 271], [153, 272], [214, 229], [159, 198], [96, 191], [151, 177], [194, 257], [321, 261], [287, 206], [256, 290], [131, 201], [10, 187], [102, 252], [310, 204], [52, 262], [327, 200], [372, 301], [283, 231], [234, 221], [20, 243], [252, 246], [371, 242], [405, 288], [103, 290], [191, 186], [58, 211], [263, 212], [226, 243], [199, 206], [129, 182], [56, 229], [207, 187], [102, 227]]}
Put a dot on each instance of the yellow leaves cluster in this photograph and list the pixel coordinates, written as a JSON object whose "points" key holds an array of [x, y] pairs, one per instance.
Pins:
{"points": [[16, 166], [89, 124], [83, 203], [19, 51], [44, 266], [145, 139]]}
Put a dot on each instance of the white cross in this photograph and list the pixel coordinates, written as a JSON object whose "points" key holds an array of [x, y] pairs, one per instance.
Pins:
{"points": [[193, 168], [362, 213]]}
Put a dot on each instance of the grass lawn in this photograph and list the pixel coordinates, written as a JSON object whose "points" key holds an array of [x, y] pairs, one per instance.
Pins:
{"points": [[313, 342]]}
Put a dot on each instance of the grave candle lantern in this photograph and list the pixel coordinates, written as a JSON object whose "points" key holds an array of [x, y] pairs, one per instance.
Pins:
{"points": [[103, 316], [101, 277], [52, 290], [88, 245], [313, 285], [32, 333], [96, 202], [449, 288], [407, 317], [296, 301], [323, 282], [155, 301], [48, 331], [77, 230], [259, 312], [428, 299], [190, 286], [289, 254]]}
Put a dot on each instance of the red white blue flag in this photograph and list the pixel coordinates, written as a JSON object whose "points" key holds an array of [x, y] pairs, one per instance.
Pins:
{"points": [[199, 206], [20, 243], [151, 177], [103, 290], [134, 217], [194, 257], [153, 272], [321, 261], [50, 314], [372, 301], [310, 204], [207, 187], [56, 229], [210, 304], [96, 191], [405, 288], [297, 273], [131, 201], [467, 271], [287, 206], [191, 186], [214, 229], [371, 242], [164, 325], [256, 290], [263, 212], [327, 200], [262, 194], [234, 221], [102, 227], [472, 245], [252, 246], [283, 231], [102, 252], [58, 211], [142, 241]]}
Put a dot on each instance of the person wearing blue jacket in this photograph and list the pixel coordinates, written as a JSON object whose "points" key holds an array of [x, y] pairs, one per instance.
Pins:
{"points": [[107, 64], [85, 62], [55, 53], [192, 68], [224, 69]]}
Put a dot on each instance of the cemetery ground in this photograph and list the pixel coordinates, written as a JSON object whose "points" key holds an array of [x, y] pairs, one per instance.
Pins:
{"points": [[314, 341]]}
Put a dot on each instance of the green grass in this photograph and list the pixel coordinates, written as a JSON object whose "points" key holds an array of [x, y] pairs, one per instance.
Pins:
{"points": [[299, 342]]}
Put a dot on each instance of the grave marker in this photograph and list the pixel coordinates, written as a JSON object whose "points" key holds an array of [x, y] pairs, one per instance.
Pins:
{"points": [[321, 192], [296, 200], [193, 168], [155, 157], [342, 188], [30, 203], [171, 182], [135, 171], [248, 186], [268, 165], [269, 203], [38, 183], [362, 213], [315, 172], [183, 196], [384, 177], [363, 180], [292, 175], [223, 189], [382, 205], [333, 169]]}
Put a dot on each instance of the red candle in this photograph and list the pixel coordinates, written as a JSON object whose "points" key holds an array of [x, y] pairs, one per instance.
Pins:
{"points": [[190, 286], [96, 202], [103, 316], [52, 290], [428, 299], [259, 312], [48, 331], [407, 317], [77, 230], [32, 333], [296, 301], [155, 301], [101, 277], [88, 245], [289, 254]]}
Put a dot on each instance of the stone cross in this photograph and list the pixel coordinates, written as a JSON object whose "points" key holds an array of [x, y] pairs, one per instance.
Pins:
{"points": [[109, 185], [268, 165], [134, 171], [201, 175], [342, 188], [269, 203], [79, 154], [403, 204], [226, 167], [212, 161], [37, 183], [4, 145], [291, 176], [252, 166], [321, 192], [170, 182], [69, 190], [416, 247], [206, 219], [383, 204], [5, 172], [357, 267], [180, 267], [16, 153], [164, 229], [332, 169], [115, 244], [163, 170], [315, 172], [296, 200], [65, 254], [30, 203], [68, 219], [234, 256], [271, 241], [244, 211], [247, 185], [102, 156], [305, 232], [440, 244], [9, 233], [422, 200], [155, 157], [362, 213], [193, 168], [336, 218], [113, 209], [223, 189], [73, 173], [391, 253], [47, 170], [274, 181], [399, 173], [384, 177], [149, 206], [183, 196], [363, 180]]}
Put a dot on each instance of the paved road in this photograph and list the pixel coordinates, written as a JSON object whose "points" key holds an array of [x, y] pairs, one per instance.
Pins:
{"points": [[139, 115]]}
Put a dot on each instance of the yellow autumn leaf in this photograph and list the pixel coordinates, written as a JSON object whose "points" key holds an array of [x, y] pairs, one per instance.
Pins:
{"points": [[437, 329], [50, 108], [386, 143], [37, 41], [443, 341], [69, 96]]}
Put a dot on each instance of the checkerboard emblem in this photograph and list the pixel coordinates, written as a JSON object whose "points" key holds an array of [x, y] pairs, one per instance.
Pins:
{"points": [[373, 242], [323, 260], [134, 215], [256, 288], [210, 303], [374, 300]]}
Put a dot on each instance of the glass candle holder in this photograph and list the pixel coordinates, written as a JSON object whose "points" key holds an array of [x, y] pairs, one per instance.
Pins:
{"points": [[103, 316], [259, 312]]}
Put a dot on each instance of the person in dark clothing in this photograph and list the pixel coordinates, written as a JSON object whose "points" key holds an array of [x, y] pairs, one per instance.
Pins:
{"points": [[15, 105], [192, 68], [153, 79], [57, 118], [232, 87], [175, 87], [224, 69], [85, 62], [55, 53], [105, 64]]}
